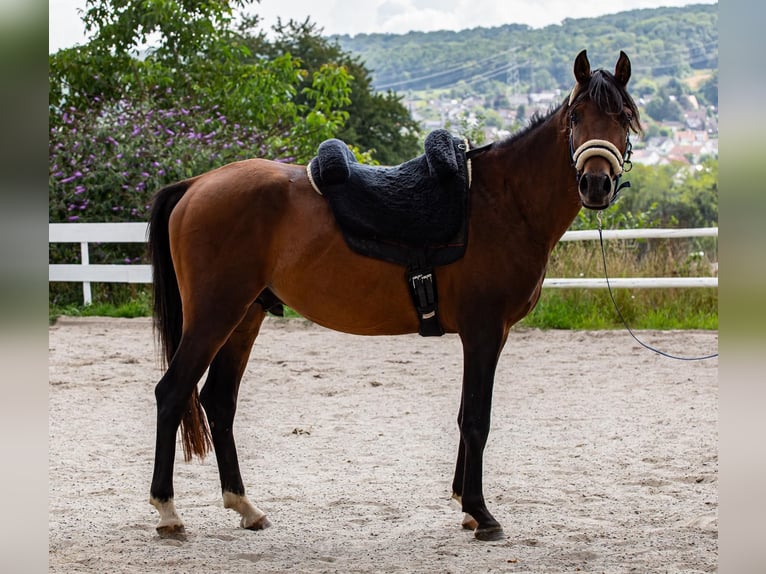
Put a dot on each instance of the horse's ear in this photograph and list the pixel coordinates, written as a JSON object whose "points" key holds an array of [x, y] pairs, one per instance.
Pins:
{"points": [[622, 69], [582, 68]]}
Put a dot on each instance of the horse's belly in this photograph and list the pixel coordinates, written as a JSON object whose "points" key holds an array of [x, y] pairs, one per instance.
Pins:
{"points": [[341, 290]]}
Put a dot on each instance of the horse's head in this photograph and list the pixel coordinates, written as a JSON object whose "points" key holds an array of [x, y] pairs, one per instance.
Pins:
{"points": [[601, 116]]}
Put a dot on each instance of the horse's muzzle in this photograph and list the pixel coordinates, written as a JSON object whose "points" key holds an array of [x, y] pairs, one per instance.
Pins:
{"points": [[596, 190]]}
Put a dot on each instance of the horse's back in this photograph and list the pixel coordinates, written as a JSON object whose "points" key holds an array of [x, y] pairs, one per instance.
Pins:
{"points": [[258, 224]]}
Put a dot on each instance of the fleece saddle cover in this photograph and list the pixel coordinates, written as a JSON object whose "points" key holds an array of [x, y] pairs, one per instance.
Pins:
{"points": [[415, 210], [413, 214]]}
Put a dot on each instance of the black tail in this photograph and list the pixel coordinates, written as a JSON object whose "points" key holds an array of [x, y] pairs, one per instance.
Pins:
{"points": [[168, 318]]}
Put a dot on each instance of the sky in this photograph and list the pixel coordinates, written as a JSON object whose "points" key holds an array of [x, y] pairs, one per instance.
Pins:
{"points": [[392, 16]]}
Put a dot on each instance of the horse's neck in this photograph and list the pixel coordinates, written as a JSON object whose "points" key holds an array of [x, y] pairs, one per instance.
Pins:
{"points": [[541, 180]]}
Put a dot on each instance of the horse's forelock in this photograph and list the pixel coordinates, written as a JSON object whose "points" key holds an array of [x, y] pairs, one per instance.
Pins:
{"points": [[610, 97]]}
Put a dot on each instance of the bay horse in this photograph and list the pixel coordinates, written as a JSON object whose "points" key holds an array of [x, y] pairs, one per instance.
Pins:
{"points": [[229, 244]]}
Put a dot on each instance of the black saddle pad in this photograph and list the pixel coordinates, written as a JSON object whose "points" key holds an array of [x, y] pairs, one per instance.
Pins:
{"points": [[388, 212]]}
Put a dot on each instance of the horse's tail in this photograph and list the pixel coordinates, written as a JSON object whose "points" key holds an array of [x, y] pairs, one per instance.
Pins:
{"points": [[168, 318]]}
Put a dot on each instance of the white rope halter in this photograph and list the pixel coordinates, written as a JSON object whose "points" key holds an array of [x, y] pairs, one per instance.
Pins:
{"points": [[602, 148]]}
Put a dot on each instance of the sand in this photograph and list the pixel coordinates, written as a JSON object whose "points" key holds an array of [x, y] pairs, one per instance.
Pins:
{"points": [[602, 456]]}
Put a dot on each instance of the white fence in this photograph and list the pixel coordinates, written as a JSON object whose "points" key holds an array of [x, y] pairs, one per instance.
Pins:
{"points": [[85, 273]]}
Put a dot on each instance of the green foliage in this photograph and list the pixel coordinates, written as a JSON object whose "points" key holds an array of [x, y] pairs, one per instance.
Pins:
{"points": [[663, 108], [661, 42], [674, 195], [125, 121], [198, 60], [708, 91], [136, 307], [375, 121]]}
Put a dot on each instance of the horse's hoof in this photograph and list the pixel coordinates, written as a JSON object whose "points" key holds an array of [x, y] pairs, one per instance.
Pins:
{"points": [[174, 530], [261, 524], [489, 533]]}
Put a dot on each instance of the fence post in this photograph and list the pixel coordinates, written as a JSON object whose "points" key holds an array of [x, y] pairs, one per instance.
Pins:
{"points": [[85, 260]]}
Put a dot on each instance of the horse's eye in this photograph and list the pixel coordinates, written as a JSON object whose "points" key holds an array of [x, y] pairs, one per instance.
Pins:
{"points": [[574, 117]]}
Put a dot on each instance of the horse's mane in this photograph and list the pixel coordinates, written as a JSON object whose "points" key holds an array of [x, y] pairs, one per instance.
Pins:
{"points": [[538, 118], [604, 90]]}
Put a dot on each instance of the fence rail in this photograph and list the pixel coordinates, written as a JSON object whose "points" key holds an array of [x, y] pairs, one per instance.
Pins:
{"points": [[86, 233]]}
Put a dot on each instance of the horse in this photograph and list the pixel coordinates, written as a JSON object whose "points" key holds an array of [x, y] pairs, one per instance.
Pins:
{"points": [[230, 244]]}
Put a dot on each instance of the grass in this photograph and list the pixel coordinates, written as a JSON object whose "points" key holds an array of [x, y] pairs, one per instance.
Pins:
{"points": [[592, 309], [693, 308], [139, 306]]}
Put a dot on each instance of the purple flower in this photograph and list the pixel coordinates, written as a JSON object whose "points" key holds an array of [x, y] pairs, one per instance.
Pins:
{"points": [[73, 217], [72, 177], [79, 189]]}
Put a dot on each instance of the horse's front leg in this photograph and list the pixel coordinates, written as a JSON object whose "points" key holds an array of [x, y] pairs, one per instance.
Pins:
{"points": [[457, 483], [219, 397], [480, 355]]}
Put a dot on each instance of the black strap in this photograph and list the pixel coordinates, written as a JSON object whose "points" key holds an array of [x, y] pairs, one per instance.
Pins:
{"points": [[422, 283]]}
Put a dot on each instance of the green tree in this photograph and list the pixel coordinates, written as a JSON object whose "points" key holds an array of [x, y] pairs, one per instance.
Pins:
{"points": [[168, 50], [376, 121], [709, 90], [664, 108], [674, 195], [164, 90]]}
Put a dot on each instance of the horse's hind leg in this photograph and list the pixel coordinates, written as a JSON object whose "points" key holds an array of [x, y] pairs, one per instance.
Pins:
{"points": [[219, 397], [196, 349]]}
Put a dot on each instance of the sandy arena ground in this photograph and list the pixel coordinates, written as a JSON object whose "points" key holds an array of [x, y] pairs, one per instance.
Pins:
{"points": [[602, 455]]}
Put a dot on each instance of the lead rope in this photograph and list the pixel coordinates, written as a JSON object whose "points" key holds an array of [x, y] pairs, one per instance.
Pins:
{"points": [[619, 313]]}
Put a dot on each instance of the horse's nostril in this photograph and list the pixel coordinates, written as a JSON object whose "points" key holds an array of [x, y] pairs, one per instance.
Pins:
{"points": [[607, 184], [584, 184]]}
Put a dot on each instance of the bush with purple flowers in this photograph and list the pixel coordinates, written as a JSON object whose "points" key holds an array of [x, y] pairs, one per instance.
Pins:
{"points": [[106, 162], [126, 120], [105, 166]]}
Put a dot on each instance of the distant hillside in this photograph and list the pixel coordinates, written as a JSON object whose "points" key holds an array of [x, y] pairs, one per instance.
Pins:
{"points": [[661, 43]]}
